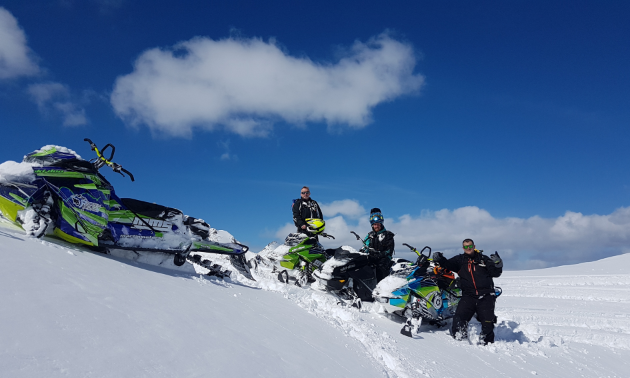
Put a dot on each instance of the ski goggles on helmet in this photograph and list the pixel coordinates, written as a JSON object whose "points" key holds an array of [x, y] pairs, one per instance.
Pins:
{"points": [[376, 218], [315, 226]]}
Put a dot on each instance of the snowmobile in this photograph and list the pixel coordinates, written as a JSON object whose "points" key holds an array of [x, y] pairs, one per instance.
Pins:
{"points": [[420, 291], [299, 256], [65, 196], [349, 275]]}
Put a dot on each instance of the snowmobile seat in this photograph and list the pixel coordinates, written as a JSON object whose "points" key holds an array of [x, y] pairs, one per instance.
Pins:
{"points": [[344, 254], [148, 209]]}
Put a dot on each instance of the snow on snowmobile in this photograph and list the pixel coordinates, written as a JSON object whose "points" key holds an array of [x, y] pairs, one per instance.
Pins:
{"points": [[420, 291], [55, 192], [349, 275], [298, 257]]}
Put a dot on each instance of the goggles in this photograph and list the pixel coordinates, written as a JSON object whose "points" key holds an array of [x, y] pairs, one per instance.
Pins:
{"points": [[469, 247], [376, 218]]}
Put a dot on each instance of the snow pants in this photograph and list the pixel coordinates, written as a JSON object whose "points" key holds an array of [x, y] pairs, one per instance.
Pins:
{"points": [[466, 309], [382, 269]]}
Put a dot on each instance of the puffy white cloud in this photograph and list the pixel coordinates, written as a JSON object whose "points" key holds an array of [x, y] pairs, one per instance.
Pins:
{"points": [[16, 59], [349, 208], [245, 85], [55, 97], [524, 243]]}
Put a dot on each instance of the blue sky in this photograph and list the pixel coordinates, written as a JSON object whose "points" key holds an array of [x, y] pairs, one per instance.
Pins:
{"points": [[504, 121]]}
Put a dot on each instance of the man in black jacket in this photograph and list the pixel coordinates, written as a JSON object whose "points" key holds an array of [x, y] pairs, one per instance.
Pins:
{"points": [[475, 272], [303, 208], [381, 244]]}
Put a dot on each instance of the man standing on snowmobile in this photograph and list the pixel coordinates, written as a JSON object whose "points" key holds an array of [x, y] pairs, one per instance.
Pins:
{"points": [[380, 244], [475, 271], [303, 208]]}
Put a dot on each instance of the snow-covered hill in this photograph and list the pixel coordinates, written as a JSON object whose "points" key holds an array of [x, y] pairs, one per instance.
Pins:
{"points": [[67, 312]]}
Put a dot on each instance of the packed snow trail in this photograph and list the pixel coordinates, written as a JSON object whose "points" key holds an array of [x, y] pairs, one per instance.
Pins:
{"points": [[69, 312]]}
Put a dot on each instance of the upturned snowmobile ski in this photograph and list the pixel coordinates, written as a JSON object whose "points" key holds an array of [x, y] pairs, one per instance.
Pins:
{"points": [[214, 269]]}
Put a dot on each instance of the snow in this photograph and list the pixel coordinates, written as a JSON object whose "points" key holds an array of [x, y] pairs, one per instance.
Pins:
{"points": [[330, 265], [390, 284], [62, 149], [11, 171], [70, 312]]}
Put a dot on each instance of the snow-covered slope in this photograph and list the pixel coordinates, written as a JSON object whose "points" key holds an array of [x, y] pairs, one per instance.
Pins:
{"points": [[69, 312]]}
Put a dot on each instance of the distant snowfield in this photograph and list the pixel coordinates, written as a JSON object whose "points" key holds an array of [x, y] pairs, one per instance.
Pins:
{"points": [[66, 312]]}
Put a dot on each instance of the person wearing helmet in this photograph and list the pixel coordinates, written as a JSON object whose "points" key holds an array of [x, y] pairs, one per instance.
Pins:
{"points": [[380, 244], [306, 208]]}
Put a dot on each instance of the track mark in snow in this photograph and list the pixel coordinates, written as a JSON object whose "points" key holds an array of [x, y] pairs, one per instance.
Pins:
{"points": [[587, 309], [351, 321]]}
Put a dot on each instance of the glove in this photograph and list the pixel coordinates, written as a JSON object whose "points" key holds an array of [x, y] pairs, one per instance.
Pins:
{"points": [[496, 259], [373, 255], [438, 256]]}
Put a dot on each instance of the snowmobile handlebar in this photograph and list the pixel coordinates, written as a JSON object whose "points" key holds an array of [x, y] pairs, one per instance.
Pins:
{"points": [[101, 160], [365, 246], [421, 251], [327, 235]]}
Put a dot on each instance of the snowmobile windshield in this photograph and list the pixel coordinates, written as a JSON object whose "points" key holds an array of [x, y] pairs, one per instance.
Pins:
{"points": [[56, 156]]}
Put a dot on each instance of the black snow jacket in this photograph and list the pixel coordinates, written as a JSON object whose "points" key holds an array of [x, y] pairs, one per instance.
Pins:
{"points": [[303, 209], [475, 272], [382, 242]]}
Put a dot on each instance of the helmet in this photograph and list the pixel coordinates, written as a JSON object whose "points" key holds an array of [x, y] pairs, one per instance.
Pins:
{"points": [[315, 226], [376, 218]]}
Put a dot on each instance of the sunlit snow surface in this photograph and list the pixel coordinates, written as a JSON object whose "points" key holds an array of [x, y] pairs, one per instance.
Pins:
{"points": [[11, 171], [67, 312]]}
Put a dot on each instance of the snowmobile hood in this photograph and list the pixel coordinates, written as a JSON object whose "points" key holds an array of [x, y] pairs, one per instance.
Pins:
{"points": [[51, 155]]}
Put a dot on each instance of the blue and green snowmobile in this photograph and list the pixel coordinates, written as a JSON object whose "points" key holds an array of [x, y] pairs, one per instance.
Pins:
{"points": [[65, 196], [421, 291]]}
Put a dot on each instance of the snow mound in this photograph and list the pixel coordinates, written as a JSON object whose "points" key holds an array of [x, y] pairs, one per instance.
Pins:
{"points": [[274, 252], [221, 236], [330, 265], [388, 285], [11, 171]]}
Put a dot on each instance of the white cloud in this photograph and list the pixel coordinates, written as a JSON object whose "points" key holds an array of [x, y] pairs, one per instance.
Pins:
{"points": [[55, 97], [533, 242], [349, 208], [16, 59], [245, 85]]}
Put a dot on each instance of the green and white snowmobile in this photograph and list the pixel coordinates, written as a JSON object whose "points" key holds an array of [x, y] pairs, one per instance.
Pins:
{"points": [[56, 193], [299, 256]]}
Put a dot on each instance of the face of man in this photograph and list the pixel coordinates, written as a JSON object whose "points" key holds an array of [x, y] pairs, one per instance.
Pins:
{"points": [[469, 248], [305, 193], [377, 227]]}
